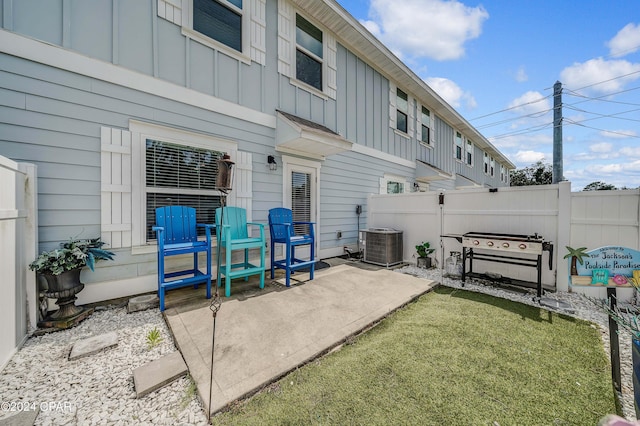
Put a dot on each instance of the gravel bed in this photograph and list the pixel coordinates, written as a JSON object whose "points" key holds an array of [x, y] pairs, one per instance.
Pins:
{"points": [[99, 389], [583, 309]]}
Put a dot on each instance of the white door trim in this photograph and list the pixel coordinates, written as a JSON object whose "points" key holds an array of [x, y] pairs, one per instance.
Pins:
{"points": [[290, 164]]}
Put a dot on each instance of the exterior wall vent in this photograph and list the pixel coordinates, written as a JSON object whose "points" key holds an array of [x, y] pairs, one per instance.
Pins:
{"points": [[382, 246]]}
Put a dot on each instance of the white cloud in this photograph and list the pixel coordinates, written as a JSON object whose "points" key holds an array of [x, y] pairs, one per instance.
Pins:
{"points": [[618, 134], [521, 75], [604, 147], [531, 103], [630, 152], [600, 75], [434, 29], [529, 157], [626, 41], [451, 92]]}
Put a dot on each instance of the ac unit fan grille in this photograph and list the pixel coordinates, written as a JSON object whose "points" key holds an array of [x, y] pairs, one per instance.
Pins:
{"points": [[383, 247]]}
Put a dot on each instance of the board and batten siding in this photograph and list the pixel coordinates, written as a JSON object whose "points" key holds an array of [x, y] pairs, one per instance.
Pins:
{"points": [[75, 129], [146, 36]]}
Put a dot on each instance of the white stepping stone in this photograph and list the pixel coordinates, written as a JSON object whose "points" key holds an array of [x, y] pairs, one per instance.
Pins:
{"points": [[158, 373], [92, 345]]}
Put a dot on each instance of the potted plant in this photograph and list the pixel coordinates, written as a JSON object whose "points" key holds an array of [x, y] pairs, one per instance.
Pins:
{"points": [[424, 250], [59, 274]]}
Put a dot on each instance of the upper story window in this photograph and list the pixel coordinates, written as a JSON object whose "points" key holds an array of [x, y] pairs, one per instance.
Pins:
{"points": [[469, 156], [492, 167], [220, 20], [486, 163], [458, 146], [503, 173], [402, 110], [426, 130], [309, 50]]}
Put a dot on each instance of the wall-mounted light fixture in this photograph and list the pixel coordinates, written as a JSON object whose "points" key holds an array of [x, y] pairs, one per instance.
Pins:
{"points": [[271, 161]]}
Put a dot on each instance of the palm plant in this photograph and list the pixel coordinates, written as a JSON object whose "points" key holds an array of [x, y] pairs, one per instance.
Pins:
{"points": [[576, 256]]}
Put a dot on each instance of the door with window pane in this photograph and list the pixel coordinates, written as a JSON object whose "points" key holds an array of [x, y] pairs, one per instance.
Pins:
{"points": [[301, 198]]}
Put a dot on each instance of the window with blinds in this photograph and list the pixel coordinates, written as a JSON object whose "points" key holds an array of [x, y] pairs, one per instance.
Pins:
{"points": [[180, 175], [219, 20], [301, 200]]}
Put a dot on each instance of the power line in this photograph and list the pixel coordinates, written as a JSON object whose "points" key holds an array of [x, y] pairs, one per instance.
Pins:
{"points": [[606, 81], [532, 115], [601, 98], [532, 129], [606, 115], [510, 108], [578, 123], [573, 92]]}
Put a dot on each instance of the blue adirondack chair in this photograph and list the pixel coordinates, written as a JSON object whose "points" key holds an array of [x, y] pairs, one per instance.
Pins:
{"points": [[176, 232], [283, 231], [232, 231]]}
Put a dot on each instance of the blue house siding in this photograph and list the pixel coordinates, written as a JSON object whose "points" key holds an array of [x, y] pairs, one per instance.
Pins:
{"points": [[53, 115]]}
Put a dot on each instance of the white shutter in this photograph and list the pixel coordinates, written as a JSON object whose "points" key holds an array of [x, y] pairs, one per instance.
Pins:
{"points": [[392, 106], [242, 192], [432, 126], [258, 31], [171, 10], [383, 185], [418, 121], [115, 188], [286, 38], [411, 116], [332, 68]]}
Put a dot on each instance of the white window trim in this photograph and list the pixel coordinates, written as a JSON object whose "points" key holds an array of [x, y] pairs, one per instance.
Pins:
{"points": [[463, 147], [287, 44], [492, 167], [140, 132], [473, 157], [188, 31], [485, 162], [431, 142], [392, 178]]}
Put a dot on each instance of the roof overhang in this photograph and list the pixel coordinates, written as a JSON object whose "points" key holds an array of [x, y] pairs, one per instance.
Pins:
{"points": [[463, 182], [353, 35], [426, 173], [295, 135]]}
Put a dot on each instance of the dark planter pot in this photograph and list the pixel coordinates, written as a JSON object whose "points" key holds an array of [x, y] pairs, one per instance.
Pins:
{"points": [[63, 287], [635, 357], [424, 262]]}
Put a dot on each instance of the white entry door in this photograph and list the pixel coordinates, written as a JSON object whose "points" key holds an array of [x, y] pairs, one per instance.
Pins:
{"points": [[301, 194]]}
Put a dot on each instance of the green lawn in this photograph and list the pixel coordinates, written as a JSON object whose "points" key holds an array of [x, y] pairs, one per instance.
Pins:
{"points": [[451, 358]]}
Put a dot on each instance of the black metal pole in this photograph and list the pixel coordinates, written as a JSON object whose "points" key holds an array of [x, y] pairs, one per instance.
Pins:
{"points": [[613, 341]]}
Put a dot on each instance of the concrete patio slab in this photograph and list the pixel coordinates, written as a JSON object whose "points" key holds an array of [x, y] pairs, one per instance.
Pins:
{"points": [[260, 338]]}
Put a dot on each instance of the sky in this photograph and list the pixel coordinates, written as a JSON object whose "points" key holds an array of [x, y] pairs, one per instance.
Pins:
{"points": [[496, 62]]}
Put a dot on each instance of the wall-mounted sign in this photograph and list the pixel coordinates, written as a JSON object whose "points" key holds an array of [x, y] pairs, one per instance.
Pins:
{"points": [[609, 266]]}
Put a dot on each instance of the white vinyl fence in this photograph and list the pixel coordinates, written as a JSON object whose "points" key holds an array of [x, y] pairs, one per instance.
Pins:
{"points": [[18, 247], [579, 219]]}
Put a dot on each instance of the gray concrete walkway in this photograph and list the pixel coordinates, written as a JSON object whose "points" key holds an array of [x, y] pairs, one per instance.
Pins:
{"points": [[269, 333]]}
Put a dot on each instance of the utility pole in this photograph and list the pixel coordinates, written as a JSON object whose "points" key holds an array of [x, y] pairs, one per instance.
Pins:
{"points": [[557, 133]]}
